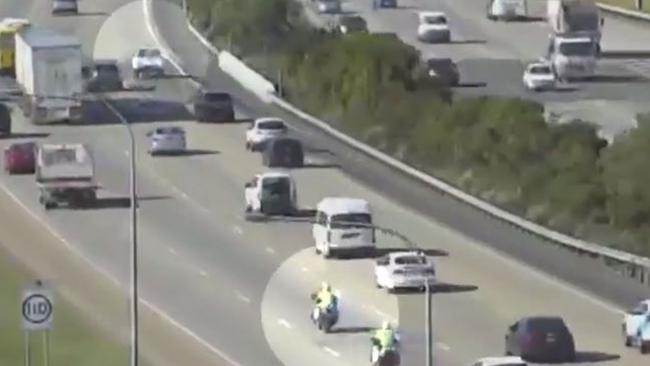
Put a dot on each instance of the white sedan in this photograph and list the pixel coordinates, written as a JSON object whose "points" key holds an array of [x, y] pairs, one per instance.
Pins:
{"points": [[539, 76], [167, 140], [433, 27], [410, 269], [147, 62], [262, 130]]}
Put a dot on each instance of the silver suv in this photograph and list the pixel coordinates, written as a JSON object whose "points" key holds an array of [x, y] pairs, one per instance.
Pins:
{"points": [[65, 7]]}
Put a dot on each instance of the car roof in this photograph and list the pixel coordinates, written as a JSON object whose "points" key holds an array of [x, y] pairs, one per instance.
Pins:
{"points": [[343, 205], [494, 361], [431, 14], [46, 38], [274, 175], [268, 119]]}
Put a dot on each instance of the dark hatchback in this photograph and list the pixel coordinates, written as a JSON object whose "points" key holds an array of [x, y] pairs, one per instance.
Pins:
{"points": [[212, 106], [103, 76], [283, 152], [443, 69], [541, 339]]}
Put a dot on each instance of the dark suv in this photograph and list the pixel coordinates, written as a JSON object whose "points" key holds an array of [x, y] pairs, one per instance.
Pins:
{"points": [[541, 339], [214, 106], [5, 120], [443, 69], [103, 76]]}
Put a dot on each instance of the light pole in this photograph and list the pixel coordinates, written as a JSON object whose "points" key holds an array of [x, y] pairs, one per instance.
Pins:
{"points": [[428, 325], [133, 293]]}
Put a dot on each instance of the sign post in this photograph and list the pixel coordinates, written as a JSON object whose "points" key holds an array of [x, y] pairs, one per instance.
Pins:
{"points": [[37, 309]]}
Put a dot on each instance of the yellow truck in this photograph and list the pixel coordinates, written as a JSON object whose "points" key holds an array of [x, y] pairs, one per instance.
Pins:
{"points": [[8, 29]]}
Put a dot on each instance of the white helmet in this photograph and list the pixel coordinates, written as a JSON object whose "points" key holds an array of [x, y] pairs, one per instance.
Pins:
{"points": [[325, 286]]}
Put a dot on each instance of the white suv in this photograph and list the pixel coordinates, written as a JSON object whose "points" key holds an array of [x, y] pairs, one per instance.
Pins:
{"points": [[262, 130]]}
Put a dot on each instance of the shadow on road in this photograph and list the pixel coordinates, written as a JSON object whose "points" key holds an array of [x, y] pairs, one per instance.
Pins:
{"points": [[121, 202], [480, 84], [350, 330], [380, 252], [26, 135], [468, 41], [625, 54], [448, 288], [320, 166], [188, 152], [135, 110], [594, 356], [617, 79]]}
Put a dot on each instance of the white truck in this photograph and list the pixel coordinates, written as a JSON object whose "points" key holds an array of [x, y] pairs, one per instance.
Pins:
{"points": [[65, 174], [572, 57], [507, 10], [579, 18], [48, 71], [271, 193], [636, 327]]}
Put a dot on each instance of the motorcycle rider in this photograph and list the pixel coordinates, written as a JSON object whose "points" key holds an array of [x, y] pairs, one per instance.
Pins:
{"points": [[324, 298], [384, 338]]}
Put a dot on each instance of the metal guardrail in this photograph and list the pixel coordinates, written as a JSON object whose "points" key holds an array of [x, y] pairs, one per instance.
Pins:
{"points": [[637, 267], [635, 14]]}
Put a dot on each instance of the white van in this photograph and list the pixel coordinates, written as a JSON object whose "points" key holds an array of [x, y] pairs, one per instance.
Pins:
{"points": [[507, 10], [335, 231]]}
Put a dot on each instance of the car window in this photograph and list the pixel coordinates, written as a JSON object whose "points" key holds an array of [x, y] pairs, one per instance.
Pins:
{"points": [[275, 186], [383, 261], [271, 125], [348, 220], [107, 70], [149, 53], [412, 259], [217, 97], [321, 218], [546, 324], [541, 70], [435, 20]]}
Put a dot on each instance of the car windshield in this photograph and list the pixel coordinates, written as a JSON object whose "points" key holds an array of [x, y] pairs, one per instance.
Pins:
{"points": [[577, 49], [277, 186], [411, 260], [26, 147], [107, 69], [271, 125], [540, 70], [217, 97], [169, 131], [547, 324], [588, 20], [435, 19], [149, 53], [349, 220]]}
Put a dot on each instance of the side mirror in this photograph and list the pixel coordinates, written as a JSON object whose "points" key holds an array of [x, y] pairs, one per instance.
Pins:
{"points": [[150, 133], [248, 185]]}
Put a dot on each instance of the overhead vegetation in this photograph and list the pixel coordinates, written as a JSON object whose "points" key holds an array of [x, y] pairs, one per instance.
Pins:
{"points": [[373, 87]]}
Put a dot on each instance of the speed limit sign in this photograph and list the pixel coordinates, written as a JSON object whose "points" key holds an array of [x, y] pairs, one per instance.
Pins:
{"points": [[37, 308]]}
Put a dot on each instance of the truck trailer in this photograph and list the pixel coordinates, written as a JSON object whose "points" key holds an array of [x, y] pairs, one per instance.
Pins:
{"points": [[575, 18], [48, 71], [65, 174]]}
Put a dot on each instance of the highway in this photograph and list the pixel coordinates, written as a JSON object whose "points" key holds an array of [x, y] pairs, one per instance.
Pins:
{"points": [[241, 287], [492, 56]]}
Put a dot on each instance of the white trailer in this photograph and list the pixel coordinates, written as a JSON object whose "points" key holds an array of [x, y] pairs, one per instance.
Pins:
{"points": [[48, 71], [578, 18], [65, 174]]}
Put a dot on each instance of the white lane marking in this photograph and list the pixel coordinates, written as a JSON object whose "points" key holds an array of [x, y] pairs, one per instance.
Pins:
{"points": [[173, 251], [331, 351], [116, 283], [204, 273], [443, 346], [242, 297], [270, 250], [238, 230], [284, 323]]}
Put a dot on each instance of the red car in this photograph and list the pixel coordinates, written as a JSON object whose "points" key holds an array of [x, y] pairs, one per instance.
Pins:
{"points": [[20, 158]]}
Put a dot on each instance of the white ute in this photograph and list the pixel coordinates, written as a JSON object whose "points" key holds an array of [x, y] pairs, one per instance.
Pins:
{"points": [[147, 62], [433, 27], [410, 269], [636, 327], [262, 130], [271, 193], [539, 76]]}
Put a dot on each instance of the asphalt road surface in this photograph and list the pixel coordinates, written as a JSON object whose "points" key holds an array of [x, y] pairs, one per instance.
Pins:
{"points": [[243, 287]]}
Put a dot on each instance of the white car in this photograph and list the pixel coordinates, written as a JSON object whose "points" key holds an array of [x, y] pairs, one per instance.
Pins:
{"points": [[500, 361], [271, 193], [167, 140], [539, 76], [329, 6], [636, 327], [433, 27], [409, 269], [262, 130], [147, 62]]}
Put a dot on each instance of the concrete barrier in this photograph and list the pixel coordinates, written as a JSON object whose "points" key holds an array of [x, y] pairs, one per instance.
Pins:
{"points": [[246, 76]]}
